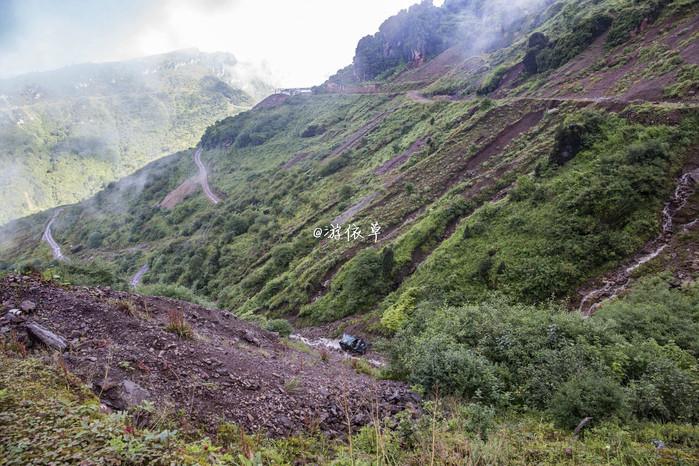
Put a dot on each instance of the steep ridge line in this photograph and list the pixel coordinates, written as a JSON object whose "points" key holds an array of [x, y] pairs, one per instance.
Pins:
{"points": [[618, 281], [48, 237], [204, 178]]}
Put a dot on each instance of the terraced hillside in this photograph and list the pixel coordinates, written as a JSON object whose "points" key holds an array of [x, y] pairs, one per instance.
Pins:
{"points": [[459, 208]]}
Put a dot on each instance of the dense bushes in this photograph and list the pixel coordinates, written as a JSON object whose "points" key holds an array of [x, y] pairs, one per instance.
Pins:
{"points": [[492, 81], [574, 134], [548, 359], [358, 286], [589, 394], [562, 226], [280, 326]]}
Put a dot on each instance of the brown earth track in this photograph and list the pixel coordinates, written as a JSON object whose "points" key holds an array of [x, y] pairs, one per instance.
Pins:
{"points": [[400, 159], [497, 144], [295, 160], [352, 140], [230, 371]]}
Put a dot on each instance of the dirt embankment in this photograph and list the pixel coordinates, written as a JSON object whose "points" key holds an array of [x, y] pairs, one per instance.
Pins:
{"points": [[180, 193], [228, 370]]}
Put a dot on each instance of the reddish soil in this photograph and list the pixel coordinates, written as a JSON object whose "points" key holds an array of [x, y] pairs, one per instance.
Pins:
{"points": [[230, 371], [274, 100], [434, 68], [500, 141], [400, 159], [180, 193], [352, 140]]}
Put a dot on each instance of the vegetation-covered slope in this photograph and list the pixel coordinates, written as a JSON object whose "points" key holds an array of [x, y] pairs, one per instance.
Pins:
{"points": [[65, 134], [505, 185]]}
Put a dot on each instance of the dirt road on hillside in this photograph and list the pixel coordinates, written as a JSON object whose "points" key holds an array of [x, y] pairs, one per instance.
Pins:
{"points": [[48, 237], [204, 178], [136, 279]]}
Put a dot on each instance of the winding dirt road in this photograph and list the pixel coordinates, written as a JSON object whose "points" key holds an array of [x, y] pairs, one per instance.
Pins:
{"points": [[48, 237], [204, 178], [136, 279]]}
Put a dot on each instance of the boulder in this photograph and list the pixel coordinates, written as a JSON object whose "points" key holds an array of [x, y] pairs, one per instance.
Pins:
{"points": [[353, 344], [27, 306], [133, 393], [121, 396]]}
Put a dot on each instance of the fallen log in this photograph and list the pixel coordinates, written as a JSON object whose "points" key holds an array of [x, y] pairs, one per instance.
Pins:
{"points": [[47, 337]]}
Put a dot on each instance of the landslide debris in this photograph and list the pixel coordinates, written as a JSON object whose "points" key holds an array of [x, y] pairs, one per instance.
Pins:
{"points": [[207, 364]]}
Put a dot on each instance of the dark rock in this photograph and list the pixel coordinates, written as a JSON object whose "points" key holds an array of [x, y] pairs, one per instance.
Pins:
{"points": [[47, 337], [658, 444], [250, 338], [121, 396], [353, 344], [13, 316]]}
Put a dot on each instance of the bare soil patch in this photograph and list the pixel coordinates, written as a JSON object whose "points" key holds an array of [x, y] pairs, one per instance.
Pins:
{"points": [[180, 193]]}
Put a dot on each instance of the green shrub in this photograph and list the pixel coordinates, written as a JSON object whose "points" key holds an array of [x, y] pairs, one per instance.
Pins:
{"points": [[589, 394], [629, 19], [568, 46], [173, 291], [280, 326], [477, 419], [492, 81], [647, 151], [439, 364], [573, 135]]}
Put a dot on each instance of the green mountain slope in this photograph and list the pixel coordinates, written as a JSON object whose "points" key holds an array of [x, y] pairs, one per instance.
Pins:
{"points": [[553, 171], [456, 182], [65, 134]]}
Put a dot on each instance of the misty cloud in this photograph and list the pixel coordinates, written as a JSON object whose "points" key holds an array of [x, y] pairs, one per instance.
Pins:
{"points": [[301, 42]]}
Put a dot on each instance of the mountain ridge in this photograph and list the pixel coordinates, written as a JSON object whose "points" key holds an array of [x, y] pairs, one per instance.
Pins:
{"points": [[112, 117]]}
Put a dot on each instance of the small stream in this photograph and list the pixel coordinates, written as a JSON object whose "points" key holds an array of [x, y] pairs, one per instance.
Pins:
{"points": [[617, 283], [334, 345]]}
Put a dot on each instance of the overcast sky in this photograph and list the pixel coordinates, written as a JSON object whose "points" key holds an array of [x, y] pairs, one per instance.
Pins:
{"points": [[301, 41]]}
